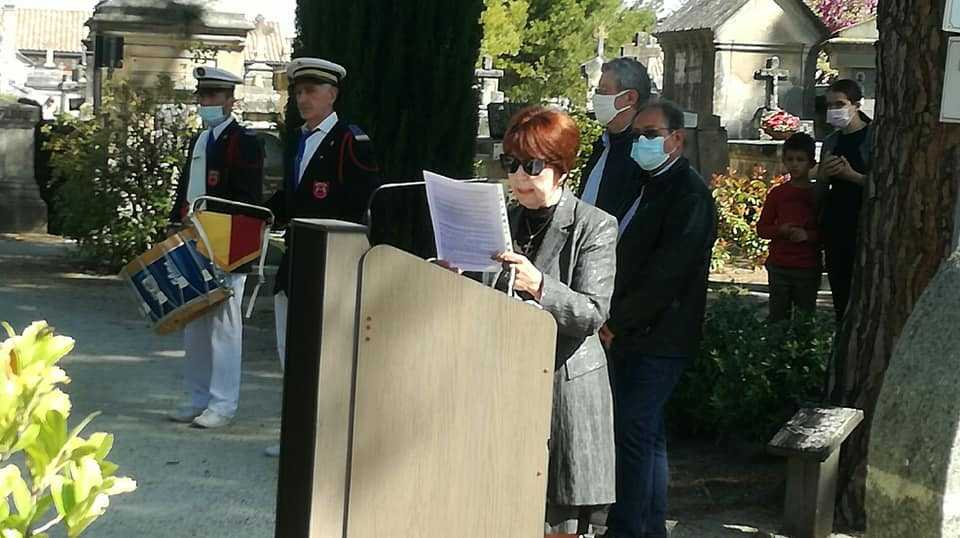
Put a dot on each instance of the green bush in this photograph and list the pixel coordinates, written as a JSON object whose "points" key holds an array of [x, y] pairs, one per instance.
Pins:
{"points": [[751, 376], [117, 170], [739, 200], [50, 475]]}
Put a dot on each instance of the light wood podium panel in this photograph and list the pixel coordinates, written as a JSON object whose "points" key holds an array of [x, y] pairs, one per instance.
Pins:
{"points": [[452, 404]]}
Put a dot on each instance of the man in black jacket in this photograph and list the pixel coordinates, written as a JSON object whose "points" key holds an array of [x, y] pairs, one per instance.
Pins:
{"points": [[608, 177], [332, 175], [663, 260], [225, 161], [334, 170]]}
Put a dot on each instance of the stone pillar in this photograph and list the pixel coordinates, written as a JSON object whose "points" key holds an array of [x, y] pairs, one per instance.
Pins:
{"points": [[21, 208], [913, 470]]}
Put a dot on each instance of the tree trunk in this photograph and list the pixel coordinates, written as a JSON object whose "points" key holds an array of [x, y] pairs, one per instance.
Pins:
{"points": [[907, 221]]}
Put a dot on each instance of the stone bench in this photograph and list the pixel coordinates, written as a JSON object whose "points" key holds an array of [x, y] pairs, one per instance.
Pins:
{"points": [[811, 443]]}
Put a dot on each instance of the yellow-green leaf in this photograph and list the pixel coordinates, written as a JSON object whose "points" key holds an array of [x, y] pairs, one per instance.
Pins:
{"points": [[9, 475], [86, 476], [27, 438], [21, 496]]}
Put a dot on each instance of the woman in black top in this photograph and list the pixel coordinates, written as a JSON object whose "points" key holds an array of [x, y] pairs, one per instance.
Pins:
{"points": [[845, 162]]}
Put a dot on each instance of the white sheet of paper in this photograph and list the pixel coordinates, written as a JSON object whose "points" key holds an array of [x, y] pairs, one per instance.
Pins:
{"points": [[469, 222]]}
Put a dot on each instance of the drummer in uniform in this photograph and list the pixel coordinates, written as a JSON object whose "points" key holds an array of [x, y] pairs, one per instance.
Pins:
{"points": [[332, 174], [225, 161]]}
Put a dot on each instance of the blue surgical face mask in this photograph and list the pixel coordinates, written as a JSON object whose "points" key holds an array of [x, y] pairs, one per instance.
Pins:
{"points": [[649, 153], [212, 115]]}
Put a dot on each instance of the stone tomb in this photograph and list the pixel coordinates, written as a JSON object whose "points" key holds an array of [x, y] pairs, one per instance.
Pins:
{"points": [[712, 48], [21, 208]]}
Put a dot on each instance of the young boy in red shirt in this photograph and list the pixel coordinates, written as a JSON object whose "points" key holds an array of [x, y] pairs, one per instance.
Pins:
{"points": [[789, 220]]}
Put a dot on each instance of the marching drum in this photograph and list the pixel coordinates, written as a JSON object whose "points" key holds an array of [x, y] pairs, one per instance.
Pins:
{"points": [[176, 282]]}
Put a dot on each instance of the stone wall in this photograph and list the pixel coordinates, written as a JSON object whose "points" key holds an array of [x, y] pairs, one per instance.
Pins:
{"points": [[21, 208]]}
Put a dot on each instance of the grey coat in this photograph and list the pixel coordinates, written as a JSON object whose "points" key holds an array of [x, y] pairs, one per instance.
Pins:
{"points": [[578, 262]]}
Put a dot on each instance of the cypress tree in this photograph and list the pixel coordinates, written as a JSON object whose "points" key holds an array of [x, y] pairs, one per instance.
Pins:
{"points": [[410, 84]]}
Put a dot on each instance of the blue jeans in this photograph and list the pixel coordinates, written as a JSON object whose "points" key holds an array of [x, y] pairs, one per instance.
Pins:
{"points": [[641, 385]]}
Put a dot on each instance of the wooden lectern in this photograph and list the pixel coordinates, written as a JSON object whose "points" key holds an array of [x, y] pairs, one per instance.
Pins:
{"points": [[416, 401]]}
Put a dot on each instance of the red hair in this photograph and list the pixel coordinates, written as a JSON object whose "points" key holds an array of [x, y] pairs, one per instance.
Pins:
{"points": [[538, 132]]}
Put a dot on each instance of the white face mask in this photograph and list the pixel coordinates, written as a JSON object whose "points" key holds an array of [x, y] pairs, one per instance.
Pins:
{"points": [[839, 117], [212, 115], [649, 154], [605, 108]]}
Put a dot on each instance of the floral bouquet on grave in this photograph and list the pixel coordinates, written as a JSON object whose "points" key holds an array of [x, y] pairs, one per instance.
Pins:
{"points": [[779, 124]]}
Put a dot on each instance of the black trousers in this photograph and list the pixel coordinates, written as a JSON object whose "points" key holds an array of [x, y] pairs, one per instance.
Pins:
{"points": [[840, 256]]}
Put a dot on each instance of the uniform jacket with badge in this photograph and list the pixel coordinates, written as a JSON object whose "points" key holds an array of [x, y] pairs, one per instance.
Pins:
{"points": [[234, 171], [336, 184], [663, 261], [578, 262]]}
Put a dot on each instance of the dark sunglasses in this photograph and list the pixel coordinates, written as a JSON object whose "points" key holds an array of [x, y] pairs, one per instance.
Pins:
{"points": [[532, 167]]}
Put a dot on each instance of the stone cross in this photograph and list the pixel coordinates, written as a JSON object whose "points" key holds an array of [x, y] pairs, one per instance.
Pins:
{"points": [[592, 70], [773, 76]]}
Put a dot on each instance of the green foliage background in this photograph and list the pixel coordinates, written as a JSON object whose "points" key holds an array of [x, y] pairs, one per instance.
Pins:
{"points": [[117, 172], [541, 43]]}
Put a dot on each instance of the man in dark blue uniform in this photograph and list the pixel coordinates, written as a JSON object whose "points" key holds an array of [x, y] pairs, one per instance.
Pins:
{"points": [[225, 161], [333, 173]]}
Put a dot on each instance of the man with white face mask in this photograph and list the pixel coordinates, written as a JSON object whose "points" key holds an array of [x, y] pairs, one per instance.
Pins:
{"points": [[609, 176], [225, 161], [845, 161], [656, 314]]}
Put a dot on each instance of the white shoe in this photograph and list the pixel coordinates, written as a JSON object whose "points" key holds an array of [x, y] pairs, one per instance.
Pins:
{"points": [[211, 419], [272, 451], [185, 414]]}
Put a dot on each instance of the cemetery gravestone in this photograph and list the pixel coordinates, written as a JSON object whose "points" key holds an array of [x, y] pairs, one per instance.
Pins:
{"points": [[21, 208]]}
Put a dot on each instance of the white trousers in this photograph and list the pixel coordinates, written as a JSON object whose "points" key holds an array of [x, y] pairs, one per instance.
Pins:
{"points": [[280, 304], [214, 345]]}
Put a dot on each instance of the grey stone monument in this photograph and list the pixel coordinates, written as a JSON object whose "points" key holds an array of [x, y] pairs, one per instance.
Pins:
{"points": [[913, 467], [21, 208]]}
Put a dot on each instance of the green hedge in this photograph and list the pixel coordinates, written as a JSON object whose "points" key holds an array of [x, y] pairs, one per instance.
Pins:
{"points": [[112, 176], [750, 376]]}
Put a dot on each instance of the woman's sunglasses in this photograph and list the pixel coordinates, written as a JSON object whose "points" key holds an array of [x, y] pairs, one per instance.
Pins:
{"points": [[511, 164]]}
